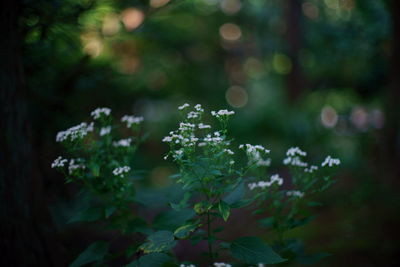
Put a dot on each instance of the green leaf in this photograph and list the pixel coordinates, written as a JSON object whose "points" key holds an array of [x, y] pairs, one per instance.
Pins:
{"points": [[171, 219], [158, 242], [224, 209], [183, 203], [267, 222], [236, 195], [94, 253], [252, 250], [202, 207], [152, 259], [185, 230]]}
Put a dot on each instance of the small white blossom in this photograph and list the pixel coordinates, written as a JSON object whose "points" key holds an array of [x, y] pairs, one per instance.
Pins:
{"points": [[59, 162], [202, 144], [221, 264], [295, 193], [295, 161], [295, 151], [204, 126], [228, 151], [120, 171], [123, 142], [193, 115], [263, 184], [221, 113], [167, 139], [183, 106], [199, 108], [311, 169], [190, 265], [74, 165], [330, 161], [75, 132], [130, 119], [254, 153], [231, 162], [100, 111], [105, 130]]}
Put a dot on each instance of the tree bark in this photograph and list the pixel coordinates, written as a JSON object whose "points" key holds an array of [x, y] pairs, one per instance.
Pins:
{"points": [[21, 240]]}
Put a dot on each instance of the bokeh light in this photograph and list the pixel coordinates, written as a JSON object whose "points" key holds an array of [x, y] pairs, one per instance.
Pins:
{"points": [[230, 32], [132, 18], [236, 96], [230, 7], [329, 117]]}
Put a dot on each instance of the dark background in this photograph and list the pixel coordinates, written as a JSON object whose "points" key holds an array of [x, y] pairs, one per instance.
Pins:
{"points": [[320, 74]]}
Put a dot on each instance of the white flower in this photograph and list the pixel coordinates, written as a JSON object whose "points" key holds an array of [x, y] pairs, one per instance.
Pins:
{"points": [[254, 153], [74, 165], [59, 162], [221, 264], [263, 184], [311, 169], [293, 151], [204, 126], [228, 151], [330, 161], [190, 265], [231, 162], [222, 112], [120, 171], [193, 115], [199, 108], [100, 111], [167, 139], [183, 106], [75, 132], [130, 119], [105, 130], [295, 193], [295, 161], [123, 142]]}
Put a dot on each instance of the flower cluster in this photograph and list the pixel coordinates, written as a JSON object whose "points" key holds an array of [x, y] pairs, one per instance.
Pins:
{"points": [[130, 119], [120, 171], [183, 106], [75, 164], [263, 184], [311, 169], [293, 157], [189, 265], [221, 264], [59, 162], [105, 130], [295, 193], [222, 113], [255, 153], [123, 142], [96, 114], [75, 132], [330, 161]]}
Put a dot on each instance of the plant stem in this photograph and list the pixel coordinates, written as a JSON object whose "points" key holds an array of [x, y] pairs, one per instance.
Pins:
{"points": [[210, 252]]}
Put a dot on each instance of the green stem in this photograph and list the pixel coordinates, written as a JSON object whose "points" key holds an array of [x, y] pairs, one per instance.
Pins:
{"points": [[210, 252]]}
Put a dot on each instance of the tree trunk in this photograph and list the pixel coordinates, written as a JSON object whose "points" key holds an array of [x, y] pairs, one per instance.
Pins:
{"points": [[21, 241]]}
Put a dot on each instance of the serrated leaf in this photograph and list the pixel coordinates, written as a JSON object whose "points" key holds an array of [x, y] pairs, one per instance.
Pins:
{"points": [[185, 230], [158, 242], [224, 209], [94, 253], [253, 250]]}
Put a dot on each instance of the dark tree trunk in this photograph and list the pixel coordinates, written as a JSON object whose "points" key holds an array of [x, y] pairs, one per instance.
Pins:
{"points": [[21, 239], [294, 80], [391, 136]]}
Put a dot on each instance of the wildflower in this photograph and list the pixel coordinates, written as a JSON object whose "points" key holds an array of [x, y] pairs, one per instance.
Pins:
{"points": [[130, 119], [75, 132], [228, 151], [221, 113], [293, 151], [254, 154], [183, 106], [193, 115], [231, 162], [330, 161], [294, 161], [74, 165], [311, 169], [199, 108], [120, 171], [105, 130], [204, 126], [123, 142], [167, 139], [221, 264], [295, 193], [263, 184], [100, 111], [59, 162], [190, 265]]}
